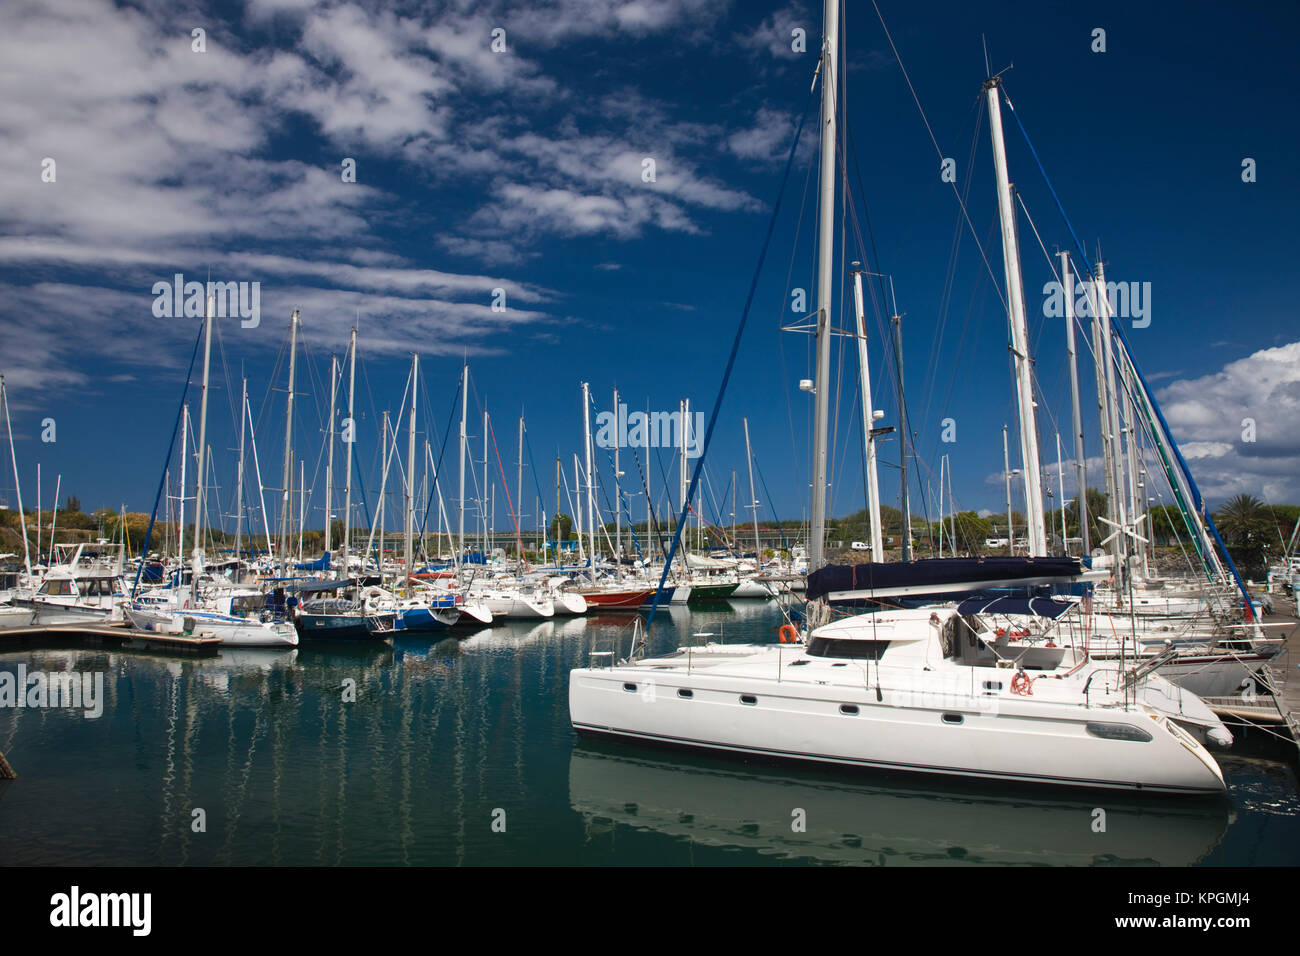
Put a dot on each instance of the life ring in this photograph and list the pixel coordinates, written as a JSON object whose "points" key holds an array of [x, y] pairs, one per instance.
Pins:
{"points": [[1021, 684], [787, 634]]}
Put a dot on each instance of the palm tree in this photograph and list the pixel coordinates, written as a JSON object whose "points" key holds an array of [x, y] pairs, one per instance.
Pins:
{"points": [[1243, 520]]}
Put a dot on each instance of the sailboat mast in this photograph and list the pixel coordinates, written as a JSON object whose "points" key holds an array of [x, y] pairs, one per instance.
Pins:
{"points": [[383, 493], [1080, 468], [618, 487], [485, 490], [825, 262], [586, 441], [18, 488], [203, 447], [1037, 529], [329, 457], [408, 556], [464, 448], [180, 540], [1119, 509], [868, 419], [519, 482], [351, 437], [1006, 472], [239, 477], [753, 499], [288, 439]]}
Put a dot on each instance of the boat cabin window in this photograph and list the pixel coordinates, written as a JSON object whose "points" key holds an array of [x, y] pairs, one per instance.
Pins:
{"points": [[61, 587], [853, 650], [248, 604]]}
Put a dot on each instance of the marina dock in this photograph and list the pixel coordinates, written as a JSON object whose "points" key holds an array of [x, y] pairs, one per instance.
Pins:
{"points": [[1280, 710], [120, 636]]}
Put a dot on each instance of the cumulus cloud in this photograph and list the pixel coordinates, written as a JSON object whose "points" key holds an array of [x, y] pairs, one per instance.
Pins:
{"points": [[1237, 426]]}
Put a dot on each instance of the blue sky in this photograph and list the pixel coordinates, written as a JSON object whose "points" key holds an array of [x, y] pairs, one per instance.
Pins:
{"points": [[521, 171]]}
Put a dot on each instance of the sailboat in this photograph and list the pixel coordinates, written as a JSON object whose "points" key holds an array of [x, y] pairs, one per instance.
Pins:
{"points": [[926, 690], [254, 626]]}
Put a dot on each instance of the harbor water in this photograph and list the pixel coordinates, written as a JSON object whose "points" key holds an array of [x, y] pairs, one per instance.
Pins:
{"points": [[460, 752]]}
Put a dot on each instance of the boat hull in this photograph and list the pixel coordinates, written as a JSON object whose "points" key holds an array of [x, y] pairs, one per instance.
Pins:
{"points": [[1026, 742]]}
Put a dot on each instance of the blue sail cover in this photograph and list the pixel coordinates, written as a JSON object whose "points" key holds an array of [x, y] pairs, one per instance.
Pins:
{"points": [[1034, 607], [323, 564], [939, 575]]}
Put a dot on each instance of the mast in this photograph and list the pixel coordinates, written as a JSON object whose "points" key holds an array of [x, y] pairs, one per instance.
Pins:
{"points": [[203, 447], [558, 549], [577, 509], [825, 256], [180, 539], [1006, 472], [329, 458], [408, 556], [942, 462], [239, 478], [1060, 480], [1119, 511], [618, 488], [383, 493], [903, 428], [753, 499], [519, 484], [288, 440], [352, 425], [1080, 468], [869, 416], [586, 441], [18, 488], [464, 447], [485, 490], [302, 503], [1037, 529]]}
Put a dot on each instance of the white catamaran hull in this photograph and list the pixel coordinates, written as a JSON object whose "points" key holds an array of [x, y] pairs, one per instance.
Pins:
{"points": [[1023, 740]]}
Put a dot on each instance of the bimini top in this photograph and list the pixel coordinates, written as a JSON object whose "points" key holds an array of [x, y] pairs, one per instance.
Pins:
{"points": [[1034, 607], [937, 575]]}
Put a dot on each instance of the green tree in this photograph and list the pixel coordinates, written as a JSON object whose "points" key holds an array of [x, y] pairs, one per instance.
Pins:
{"points": [[1244, 521], [561, 527]]}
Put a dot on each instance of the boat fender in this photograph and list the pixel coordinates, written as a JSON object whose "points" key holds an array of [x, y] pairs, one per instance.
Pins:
{"points": [[1021, 684], [787, 634]]}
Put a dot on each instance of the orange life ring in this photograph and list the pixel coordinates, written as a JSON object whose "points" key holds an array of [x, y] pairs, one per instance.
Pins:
{"points": [[1021, 684], [787, 634]]}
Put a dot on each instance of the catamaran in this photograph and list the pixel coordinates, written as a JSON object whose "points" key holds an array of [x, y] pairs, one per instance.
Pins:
{"points": [[934, 689]]}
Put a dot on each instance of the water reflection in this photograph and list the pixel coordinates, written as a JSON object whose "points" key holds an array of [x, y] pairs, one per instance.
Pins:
{"points": [[762, 809]]}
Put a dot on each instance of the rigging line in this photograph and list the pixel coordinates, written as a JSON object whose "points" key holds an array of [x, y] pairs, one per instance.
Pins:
{"points": [[785, 374], [437, 468], [1198, 500], [171, 446], [623, 502], [731, 360], [916, 99], [950, 276], [505, 485], [761, 480]]}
